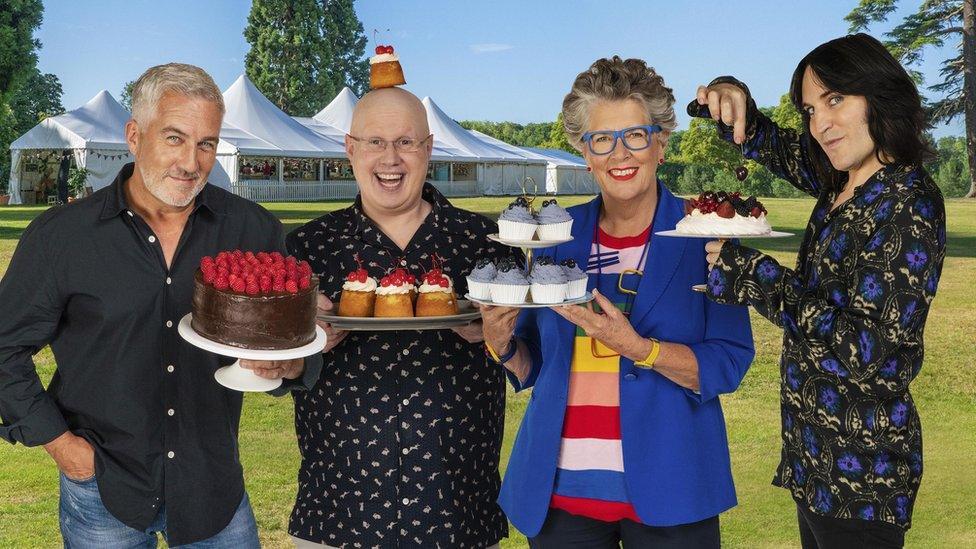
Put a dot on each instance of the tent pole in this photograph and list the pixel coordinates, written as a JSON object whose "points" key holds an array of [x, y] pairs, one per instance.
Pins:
{"points": [[281, 171], [321, 171]]}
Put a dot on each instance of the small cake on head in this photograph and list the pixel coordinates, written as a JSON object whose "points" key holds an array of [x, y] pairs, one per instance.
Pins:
{"points": [[516, 222], [511, 285], [479, 281], [384, 69], [576, 279], [548, 281], [721, 213], [358, 292], [254, 301], [436, 295], [393, 296], [555, 222]]}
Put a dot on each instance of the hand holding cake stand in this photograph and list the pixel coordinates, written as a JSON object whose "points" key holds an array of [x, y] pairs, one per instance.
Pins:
{"points": [[237, 377]]}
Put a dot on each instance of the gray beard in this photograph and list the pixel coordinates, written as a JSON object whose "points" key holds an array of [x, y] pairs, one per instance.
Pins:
{"points": [[157, 188]]}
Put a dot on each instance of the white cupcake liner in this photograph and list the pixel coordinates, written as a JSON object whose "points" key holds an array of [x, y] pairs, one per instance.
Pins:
{"points": [[575, 289], [479, 290], [555, 231], [548, 293], [515, 230], [509, 294]]}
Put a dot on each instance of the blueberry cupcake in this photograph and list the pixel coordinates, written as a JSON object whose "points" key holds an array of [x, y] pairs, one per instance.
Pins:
{"points": [[510, 285], [516, 222], [548, 281], [576, 279], [555, 222], [479, 281]]}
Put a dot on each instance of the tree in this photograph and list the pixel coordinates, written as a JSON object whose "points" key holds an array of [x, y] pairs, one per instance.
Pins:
{"points": [[290, 59], [36, 99], [18, 58], [785, 114], [701, 144], [557, 137], [344, 32], [935, 23], [125, 98]]}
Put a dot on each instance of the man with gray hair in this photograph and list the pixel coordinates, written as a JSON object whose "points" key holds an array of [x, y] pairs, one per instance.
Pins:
{"points": [[145, 440]]}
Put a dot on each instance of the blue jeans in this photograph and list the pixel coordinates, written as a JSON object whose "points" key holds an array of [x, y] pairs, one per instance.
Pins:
{"points": [[87, 524]]}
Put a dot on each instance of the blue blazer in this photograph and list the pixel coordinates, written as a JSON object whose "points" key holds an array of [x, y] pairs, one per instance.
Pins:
{"points": [[675, 450]]}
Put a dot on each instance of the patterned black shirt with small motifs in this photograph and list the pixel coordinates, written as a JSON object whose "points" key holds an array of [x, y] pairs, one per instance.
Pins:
{"points": [[400, 438]]}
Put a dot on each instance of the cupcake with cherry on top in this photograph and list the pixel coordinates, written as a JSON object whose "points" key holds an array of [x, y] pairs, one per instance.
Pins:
{"points": [[436, 295], [393, 296], [358, 292]]}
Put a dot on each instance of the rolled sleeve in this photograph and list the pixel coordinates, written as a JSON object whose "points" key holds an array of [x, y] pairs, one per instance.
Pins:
{"points": [[726, 352], [30, 310]]}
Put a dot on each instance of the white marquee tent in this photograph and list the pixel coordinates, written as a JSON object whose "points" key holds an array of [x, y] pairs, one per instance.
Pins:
{"points": [[95, 135], [565, 173]]}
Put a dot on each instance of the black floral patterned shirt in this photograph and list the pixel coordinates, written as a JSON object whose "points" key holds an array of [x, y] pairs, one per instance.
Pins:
{"points": [[853, 313], [400, 438]]}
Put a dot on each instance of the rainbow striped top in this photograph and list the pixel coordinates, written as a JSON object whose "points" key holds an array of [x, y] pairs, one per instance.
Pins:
{"points": [[590, 473]]}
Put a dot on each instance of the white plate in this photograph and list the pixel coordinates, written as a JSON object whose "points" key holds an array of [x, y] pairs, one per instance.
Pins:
{"points": [[527, 243], [700, 288], [586, 298], [466, 314], [242, 379], [771, 234]]}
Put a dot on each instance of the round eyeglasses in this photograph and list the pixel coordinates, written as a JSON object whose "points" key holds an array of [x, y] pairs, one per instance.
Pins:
{"points": [[605, 141]]}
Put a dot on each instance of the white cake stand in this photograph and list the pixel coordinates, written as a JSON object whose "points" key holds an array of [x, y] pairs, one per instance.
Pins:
{"points": [[239, 378]]}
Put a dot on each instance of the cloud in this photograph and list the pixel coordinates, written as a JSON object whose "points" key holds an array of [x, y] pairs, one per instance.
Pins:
{"points": [[490, 48]]}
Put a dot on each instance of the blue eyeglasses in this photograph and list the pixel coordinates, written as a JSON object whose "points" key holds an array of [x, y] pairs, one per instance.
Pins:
{"points": [[605, 141]]}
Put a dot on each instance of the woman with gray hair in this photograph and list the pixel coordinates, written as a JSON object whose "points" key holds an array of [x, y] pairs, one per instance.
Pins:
{"points": [[623, 440]]}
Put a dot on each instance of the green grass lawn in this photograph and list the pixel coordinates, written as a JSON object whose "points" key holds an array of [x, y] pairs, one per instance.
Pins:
{"points": [[945, 392]]}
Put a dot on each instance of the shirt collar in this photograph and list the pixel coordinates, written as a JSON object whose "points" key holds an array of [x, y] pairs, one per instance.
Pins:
{"points": [[443, 213], [115, 202]]}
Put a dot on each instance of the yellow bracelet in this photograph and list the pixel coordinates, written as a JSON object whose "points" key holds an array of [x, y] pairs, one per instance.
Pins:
{"points": [[648, 362], [493, 353]]}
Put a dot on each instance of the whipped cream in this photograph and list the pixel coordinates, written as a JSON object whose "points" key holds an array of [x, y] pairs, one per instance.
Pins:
{"points": [[429, 288], [357, 286], [391, 290], [714, 224], [383, 58]]}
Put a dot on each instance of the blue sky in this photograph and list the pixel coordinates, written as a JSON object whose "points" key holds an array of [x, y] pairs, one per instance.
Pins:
{"points": [[498, 60]]}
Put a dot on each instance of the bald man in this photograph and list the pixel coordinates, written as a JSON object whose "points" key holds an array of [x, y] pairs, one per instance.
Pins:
{"points": [[400, 438]]}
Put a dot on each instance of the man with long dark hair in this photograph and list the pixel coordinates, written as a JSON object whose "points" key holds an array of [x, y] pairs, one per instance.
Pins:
{"points": [[853, 310]]}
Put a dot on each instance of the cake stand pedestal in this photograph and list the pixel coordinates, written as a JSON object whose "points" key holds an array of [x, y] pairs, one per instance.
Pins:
{"points": [[235, 376]]}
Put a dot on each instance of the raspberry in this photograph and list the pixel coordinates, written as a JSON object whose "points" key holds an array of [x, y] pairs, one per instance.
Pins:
{"points": [[235, 268], [238, 285], [265, 284], [209, 276], [252, 289], [291, 287], [305, 282], [221, 283], [233, 278], [278, 286], [276, 256]]}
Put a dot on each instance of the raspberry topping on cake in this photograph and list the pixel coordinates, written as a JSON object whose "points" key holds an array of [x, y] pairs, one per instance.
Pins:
{"points": [[253, 274]]}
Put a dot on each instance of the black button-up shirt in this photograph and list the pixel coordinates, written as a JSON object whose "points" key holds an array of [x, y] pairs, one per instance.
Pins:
{"points": [[90, 279], [400, 438]]}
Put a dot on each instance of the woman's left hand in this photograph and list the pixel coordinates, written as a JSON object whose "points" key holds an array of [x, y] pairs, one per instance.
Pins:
{"points": [[610, 327], [713, 248]]}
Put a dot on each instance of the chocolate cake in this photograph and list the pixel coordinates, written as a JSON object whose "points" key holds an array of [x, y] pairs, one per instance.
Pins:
{"points": [[268, 307]]}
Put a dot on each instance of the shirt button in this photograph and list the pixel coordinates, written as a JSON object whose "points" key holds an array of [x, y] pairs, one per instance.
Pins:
{"points": [[403, 262], [170, 368], [406, 451], [630, 377], [169, 280], [171, 454], [406, 501], [169, 323], [406, 352], [406, 401], [152, 239], [129, 212], [171, 411]]}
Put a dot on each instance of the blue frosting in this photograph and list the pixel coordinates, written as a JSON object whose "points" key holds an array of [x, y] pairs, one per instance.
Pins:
{"points": [[548, 274], [552, 213]]}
